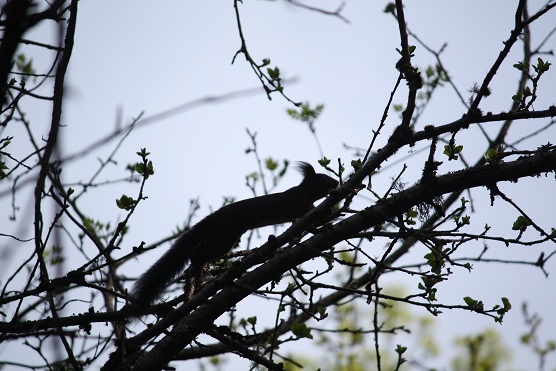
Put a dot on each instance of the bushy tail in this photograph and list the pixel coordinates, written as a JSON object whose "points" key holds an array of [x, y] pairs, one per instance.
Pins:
{"points": [[152, 283]]}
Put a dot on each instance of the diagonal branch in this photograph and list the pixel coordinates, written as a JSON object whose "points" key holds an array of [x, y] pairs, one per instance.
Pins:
{"points": [[204, 316]]}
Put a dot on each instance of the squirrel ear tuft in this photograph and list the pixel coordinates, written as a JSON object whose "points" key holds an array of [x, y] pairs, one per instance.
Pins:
{"points": [[305, 168]]}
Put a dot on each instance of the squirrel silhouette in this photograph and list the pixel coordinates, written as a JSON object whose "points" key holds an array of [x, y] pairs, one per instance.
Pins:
{"points": [[215, 235]]}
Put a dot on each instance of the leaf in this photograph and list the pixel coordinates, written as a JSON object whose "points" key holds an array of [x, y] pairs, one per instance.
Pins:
{"points": [[522, 66], [356, 164], [411, 213], [494, 154], [390, 8], [435, 262], [451, 152], [273, 73], [521, 224], [506, 302], [322, 312], [400, 349], [143, 170], [271, 164], [143, 153], [491, 154], [542, 66], [252, 320], [125, 202], [474, 304], [300, 330], [468, 300], [324, 161], [306, 113], [397, 107], [3, 167]]}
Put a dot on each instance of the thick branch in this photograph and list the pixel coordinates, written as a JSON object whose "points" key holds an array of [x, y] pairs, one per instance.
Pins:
{"points": [[15, 13], [205, 315]]}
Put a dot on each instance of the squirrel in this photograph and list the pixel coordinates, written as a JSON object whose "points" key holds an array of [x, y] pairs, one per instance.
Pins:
{"points": [[215, 235]]}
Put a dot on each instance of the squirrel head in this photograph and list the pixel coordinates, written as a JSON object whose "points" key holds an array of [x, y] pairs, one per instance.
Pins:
{"points": [[316, 185]]}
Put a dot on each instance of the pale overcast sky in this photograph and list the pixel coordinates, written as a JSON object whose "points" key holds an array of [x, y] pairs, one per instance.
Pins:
{"points": [[138, 57]]}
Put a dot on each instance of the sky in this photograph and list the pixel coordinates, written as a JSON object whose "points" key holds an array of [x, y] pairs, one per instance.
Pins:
{"points": [[134, 58]]}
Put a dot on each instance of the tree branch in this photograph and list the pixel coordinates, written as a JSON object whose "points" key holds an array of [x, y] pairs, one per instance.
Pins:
{"points": [[204, 316]]}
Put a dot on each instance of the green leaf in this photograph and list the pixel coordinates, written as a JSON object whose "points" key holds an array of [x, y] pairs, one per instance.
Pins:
{"points": [[23, 65], [3, 167], [491, 154], [522, 66], [474, 304], [271, 164], [143, 170], [150, 168], [356, 164], [390, 8], [435, 262], [125, 202], [89, 224], [411, 213], [397, 107], [306, 113], [273, 73], [526, 339], [541, 66], [451, 152], [139, 168], [429, 72], [322, 312], [143, 153], [427, 285], [252, 320], [254, 175], [5, 142], [521, 224], [506, 302], [410, 216], [300, 330], [324, 161], [400, 349]]}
